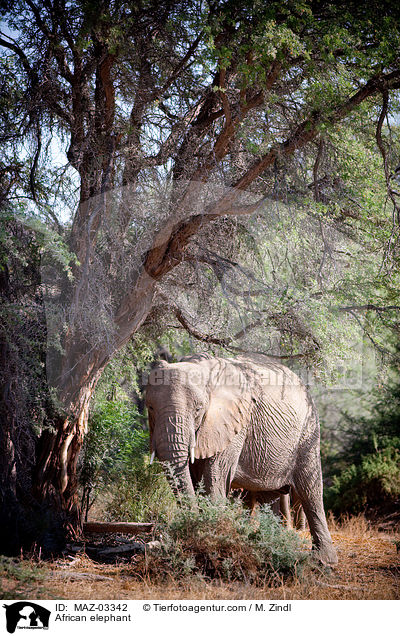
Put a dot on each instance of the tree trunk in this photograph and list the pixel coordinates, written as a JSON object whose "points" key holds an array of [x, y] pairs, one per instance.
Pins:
{"points": [[55, 475], [28, 521], [38, 475], [39, 504]]}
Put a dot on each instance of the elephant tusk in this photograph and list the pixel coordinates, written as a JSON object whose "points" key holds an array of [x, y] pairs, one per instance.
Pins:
{"points": [[192, 455], [152, 457]]}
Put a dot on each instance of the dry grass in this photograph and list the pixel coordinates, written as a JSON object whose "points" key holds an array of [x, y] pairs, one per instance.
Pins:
{"points": [[369, 568], [355, 526]]}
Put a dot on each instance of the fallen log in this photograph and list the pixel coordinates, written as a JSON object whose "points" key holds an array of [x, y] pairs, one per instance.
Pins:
{"points": [[134, 547], [81, 575], [121, 550], [117, 526]]}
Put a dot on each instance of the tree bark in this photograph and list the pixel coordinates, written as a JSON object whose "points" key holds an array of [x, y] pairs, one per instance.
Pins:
{"points": [[58, 453]]}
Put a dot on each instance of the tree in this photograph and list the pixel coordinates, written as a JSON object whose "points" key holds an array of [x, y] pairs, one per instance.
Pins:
{"points": [[154, 97]]}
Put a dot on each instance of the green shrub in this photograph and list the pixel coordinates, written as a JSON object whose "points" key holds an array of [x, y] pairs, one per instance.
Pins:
{"points": [[219, 540], [115, 466], [141, 494], [372, 483]]}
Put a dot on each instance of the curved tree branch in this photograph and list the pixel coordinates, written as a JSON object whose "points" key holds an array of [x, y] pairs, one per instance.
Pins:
{"points": [[159, 260], [381, 146]]}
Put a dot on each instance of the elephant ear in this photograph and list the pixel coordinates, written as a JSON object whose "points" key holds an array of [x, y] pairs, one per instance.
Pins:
{"points": [[228, 413]]}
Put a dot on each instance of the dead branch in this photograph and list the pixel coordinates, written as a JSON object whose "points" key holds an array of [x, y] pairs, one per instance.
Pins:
{"points": [[117, 526]]}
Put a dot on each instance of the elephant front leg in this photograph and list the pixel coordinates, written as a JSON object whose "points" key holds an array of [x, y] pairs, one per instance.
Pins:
{"points": [[218, 475], [220, 469]]}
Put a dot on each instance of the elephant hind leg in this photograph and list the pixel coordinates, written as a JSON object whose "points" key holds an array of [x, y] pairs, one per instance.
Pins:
{"points": [[308, 484], [298, 512], [253, 499], [284, 505], [254, 505]]}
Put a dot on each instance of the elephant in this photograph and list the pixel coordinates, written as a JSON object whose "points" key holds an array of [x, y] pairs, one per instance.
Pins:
{"points": [[283, 505], [247, 422], [288, 506], [299, 516]]}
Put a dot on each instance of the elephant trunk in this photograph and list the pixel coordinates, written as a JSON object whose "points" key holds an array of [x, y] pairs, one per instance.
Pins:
{"points": [[173, 442]]}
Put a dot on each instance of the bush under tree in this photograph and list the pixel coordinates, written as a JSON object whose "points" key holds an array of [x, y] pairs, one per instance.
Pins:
{"points": [[219, 540]]}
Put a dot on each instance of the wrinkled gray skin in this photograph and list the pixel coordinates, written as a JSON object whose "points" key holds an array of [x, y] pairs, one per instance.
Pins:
{"points": [[246, 424]]}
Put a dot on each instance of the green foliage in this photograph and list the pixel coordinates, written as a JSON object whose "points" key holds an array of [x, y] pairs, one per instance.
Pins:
{"points": [[381, 428], [115, 466], [23, 325], [112, 432], [367, 475], [141, 494], [372, 483], [219, 540]]}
